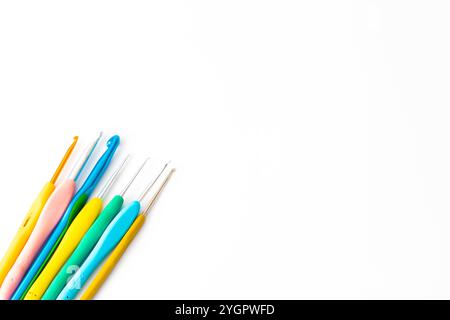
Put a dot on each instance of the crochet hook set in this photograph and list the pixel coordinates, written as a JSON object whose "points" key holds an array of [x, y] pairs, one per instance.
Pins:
{"points": [[67, 234]]}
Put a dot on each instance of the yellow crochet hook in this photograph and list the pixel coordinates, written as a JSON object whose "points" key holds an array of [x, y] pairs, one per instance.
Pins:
{"points": [[119, 250], [31, 218]]}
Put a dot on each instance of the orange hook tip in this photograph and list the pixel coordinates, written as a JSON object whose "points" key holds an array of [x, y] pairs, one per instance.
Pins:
{"points": [[64, 160]]}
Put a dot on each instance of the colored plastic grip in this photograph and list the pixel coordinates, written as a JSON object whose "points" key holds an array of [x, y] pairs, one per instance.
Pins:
{"points": [[75, 206], [110, 238], [72, 238], [25, 230], [51, 214], [85, 247], [113, 259]]}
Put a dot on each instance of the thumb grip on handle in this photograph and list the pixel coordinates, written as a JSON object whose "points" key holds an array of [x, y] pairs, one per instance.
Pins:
{"points": [[113, 259], [112, 235], [85, 246], [49, 247], [25, 230], [52, 212], [68, 244]]}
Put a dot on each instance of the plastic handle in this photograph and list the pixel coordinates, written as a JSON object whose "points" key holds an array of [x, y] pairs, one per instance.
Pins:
{"points": [[25, 230], [110, 238], [113, 259], [52, 212], [85, 247], [39, 263], [68, 244]]}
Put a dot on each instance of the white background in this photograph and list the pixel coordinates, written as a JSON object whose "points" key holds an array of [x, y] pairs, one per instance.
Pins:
{"points": [[311, 138]]}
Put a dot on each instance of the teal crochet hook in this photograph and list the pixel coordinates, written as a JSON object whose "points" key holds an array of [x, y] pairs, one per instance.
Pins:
{"points": [[75, 206], [88, 242], [110, 238]]}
